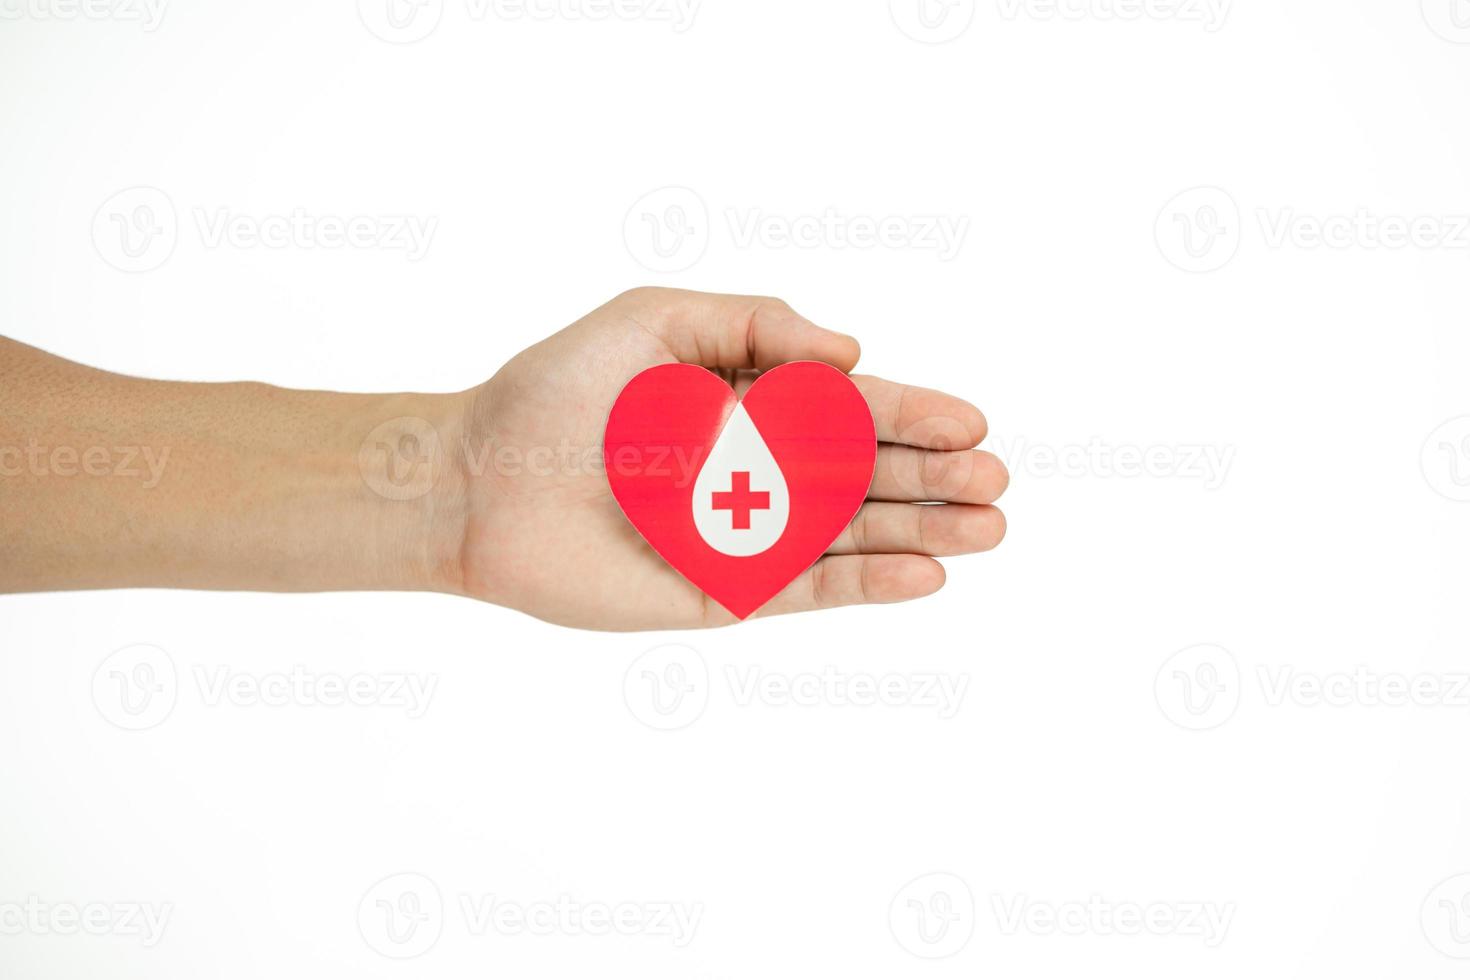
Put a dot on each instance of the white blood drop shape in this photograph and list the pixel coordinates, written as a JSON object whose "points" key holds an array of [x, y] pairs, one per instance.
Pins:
{"points": [[740, 449]]}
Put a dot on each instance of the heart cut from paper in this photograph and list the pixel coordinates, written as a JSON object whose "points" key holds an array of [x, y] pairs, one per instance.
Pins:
{"points": [[740, 496]]}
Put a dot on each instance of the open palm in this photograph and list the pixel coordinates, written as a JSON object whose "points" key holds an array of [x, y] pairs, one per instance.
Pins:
{"points": [[546, 536]]}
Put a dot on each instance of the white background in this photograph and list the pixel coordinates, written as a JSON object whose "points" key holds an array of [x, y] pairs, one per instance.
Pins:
{"points": [[1072, 772]]}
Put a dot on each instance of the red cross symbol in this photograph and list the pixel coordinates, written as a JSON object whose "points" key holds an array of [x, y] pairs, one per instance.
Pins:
{"points": [[739, 501]]}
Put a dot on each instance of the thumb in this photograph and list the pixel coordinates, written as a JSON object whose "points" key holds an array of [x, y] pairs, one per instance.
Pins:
{"points": [[723, 331]]}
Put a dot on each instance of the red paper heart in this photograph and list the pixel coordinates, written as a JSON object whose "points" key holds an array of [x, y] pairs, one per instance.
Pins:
{"points": [[737, 514]]}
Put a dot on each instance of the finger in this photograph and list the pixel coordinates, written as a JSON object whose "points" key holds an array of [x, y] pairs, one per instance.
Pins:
{"points": [[848, 580], [921, 416], [970, 476], [723, 331], [921, 529]]}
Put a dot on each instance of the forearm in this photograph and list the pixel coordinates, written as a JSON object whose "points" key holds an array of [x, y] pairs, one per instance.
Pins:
{"points": [[108, 481]]}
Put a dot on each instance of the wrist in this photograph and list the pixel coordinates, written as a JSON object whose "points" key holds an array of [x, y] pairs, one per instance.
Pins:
{"points": [[410, 477]]}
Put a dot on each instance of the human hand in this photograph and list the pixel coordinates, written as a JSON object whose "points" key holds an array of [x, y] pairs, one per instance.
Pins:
{"points": [[266, 488], [542, 532]]}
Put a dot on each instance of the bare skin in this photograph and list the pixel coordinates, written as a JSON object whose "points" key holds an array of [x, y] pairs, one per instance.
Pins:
{"points": [[495, 493]]}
